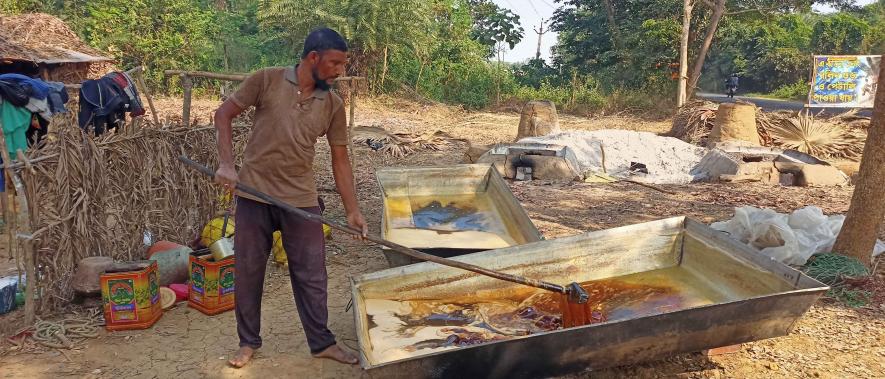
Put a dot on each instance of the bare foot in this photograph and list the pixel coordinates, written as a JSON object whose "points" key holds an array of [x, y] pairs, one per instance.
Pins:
{"points": [[243, 356], [338, 354]]}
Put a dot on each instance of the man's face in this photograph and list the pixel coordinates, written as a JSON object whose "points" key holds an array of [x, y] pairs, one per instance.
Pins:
{"points": [[327, 66]]}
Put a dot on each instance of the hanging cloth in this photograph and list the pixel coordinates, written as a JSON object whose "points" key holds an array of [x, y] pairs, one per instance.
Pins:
{"points": [[16, 121]]}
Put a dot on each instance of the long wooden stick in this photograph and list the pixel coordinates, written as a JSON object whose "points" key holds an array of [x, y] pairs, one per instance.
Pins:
{"points": [[139, 77], [12, 230], [234, 77], [394, 246], [211, 75]]}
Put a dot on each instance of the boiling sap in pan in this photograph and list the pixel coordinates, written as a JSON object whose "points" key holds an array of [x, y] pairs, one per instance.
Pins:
{"points": [[400, 329]]}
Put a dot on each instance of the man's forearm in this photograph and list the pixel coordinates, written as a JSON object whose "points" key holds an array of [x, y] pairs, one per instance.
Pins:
{"points": [[224, 133]]}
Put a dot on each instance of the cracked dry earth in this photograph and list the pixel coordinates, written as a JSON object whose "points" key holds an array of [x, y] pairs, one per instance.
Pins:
{"points": [[830, 341]]}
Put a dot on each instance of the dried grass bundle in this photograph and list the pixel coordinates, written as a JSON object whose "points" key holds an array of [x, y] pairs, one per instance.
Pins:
{"points": [[694, 122], [816, 137], [39, 36], [97, 196]]}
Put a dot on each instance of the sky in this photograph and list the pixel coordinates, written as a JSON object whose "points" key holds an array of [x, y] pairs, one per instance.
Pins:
{"points": [[530, 13]]}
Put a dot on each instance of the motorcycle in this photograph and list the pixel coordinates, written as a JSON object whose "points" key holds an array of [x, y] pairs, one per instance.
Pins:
{"points": [[730, 91]]}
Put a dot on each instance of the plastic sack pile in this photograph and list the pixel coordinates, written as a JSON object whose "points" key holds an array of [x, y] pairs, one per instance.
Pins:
{"points": [[788, 238]]}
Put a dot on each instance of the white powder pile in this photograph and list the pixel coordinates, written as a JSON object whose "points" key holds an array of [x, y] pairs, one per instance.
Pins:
{"points": [[668, 160]]}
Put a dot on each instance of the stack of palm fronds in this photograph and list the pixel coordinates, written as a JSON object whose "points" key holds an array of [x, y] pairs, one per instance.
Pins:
{"points": [[694, 122], [401, 144], [817, 137], [840, 136]]}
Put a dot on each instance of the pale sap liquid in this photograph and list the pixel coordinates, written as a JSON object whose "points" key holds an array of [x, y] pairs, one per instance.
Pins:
{"points": [[402, 329], [456, 222]]}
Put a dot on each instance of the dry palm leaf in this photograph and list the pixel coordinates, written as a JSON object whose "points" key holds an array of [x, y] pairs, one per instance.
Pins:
{"points": [[401, 144], [96, 196], [694, 122], [851, 120], [820, 139]]}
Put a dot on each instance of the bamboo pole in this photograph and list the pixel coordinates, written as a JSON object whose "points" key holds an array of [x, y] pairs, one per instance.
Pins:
{"points": [[27, 242], [139, 78], [233, 77], [12, 231]]}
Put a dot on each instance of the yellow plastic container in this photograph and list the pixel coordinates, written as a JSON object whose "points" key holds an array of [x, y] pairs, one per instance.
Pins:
{"points": [[279, 255], [212, 230]]}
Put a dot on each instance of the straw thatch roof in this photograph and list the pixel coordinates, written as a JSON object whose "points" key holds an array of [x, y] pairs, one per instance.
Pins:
{"points": [[41, 38]]}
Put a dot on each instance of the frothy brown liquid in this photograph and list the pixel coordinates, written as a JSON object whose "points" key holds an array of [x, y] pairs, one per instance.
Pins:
{"points": [[421, 326]]}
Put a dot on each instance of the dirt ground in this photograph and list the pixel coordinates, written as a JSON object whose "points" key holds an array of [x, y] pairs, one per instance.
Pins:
{"points": [[830, 341]]}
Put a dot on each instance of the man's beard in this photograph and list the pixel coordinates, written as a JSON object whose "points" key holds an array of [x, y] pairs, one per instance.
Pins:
{"points": [[318, 82]]}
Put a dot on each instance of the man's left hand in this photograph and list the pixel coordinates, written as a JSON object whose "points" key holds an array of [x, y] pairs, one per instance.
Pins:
{"points": [[355, 220]]}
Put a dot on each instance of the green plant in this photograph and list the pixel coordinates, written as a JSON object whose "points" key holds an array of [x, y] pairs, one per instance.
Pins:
{"points": [[795, 91], [839, 271]]}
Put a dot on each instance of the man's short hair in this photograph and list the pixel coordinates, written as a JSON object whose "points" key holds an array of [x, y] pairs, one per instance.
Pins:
{"points": [[323, 39]]}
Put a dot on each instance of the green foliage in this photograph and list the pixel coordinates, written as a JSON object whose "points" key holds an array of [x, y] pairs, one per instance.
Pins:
{"points": [[841, 33], [836, 271], [534, 73], [370, 26], [651, 41], [795, 91], [21, 6], [161, 34], [773, 54], [440, 49], [493, 25]]}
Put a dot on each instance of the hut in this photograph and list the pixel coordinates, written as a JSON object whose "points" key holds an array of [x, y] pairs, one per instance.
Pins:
{"points": [[38, 44]]}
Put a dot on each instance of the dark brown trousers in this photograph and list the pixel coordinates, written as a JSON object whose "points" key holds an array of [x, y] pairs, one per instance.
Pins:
{"points": [[306, 252]]}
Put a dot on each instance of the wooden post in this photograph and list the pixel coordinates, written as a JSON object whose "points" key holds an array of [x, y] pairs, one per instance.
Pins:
{"points": [[188, 85], [12, 230], [139, 77], [27, 242]]}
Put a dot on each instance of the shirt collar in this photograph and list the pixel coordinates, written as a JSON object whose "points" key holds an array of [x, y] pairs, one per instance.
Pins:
{"points": [[292, 78]]}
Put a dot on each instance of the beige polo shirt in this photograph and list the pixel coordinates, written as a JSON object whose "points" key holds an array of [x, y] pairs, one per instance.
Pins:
{"points": [[279, 156]]}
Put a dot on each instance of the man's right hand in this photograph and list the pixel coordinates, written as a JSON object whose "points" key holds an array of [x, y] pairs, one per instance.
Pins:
{"points": [[227, 176]]}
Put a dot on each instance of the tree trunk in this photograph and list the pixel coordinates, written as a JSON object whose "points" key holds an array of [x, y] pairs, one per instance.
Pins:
{"points": [[420, 71], [718, 11], [861, 227], [612, 25], [384, 69], [574, 89], [687, 8], [498, 76]]}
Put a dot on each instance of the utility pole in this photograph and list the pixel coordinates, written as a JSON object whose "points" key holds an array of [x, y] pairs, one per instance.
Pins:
{"points": [[540, 33]]}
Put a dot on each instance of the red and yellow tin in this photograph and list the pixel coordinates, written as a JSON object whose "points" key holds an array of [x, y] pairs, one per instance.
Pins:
{"points": [[211, 289], [131, 298]]}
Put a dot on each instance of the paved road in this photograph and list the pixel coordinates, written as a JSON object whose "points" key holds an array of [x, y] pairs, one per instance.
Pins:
{"points": [[776, 105]]}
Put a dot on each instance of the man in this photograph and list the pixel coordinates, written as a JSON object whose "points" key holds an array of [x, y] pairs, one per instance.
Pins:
{"points": [[731, 84], [293, 107]]}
